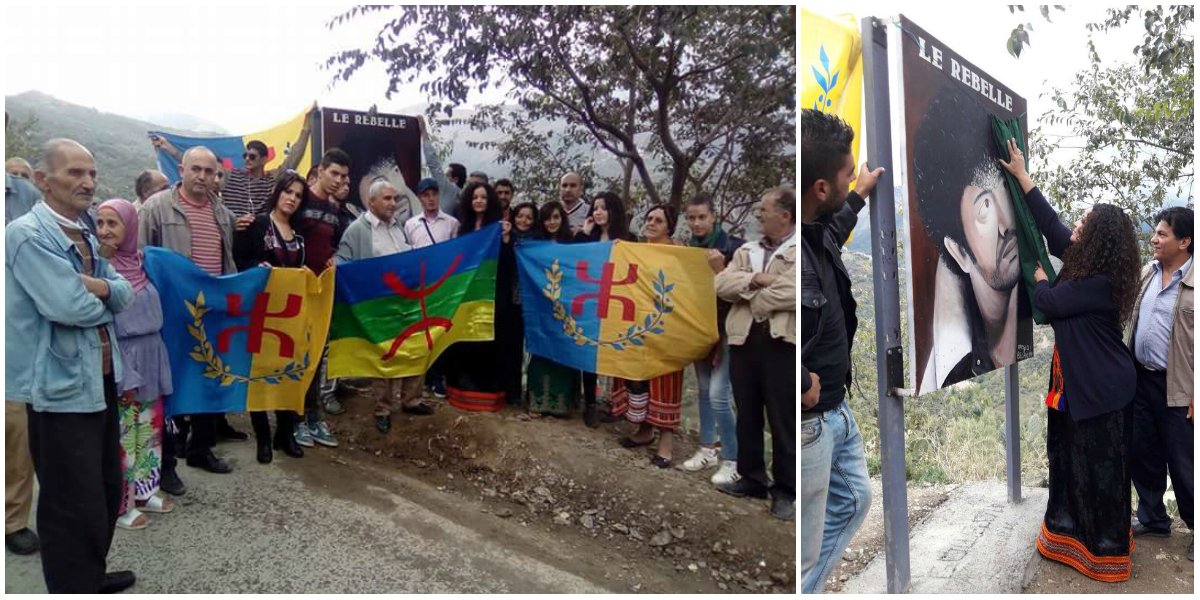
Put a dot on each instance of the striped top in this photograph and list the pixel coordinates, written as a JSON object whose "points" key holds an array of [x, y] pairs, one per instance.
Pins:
{"points": [[246, 194], [78, 236], [206, 236]]}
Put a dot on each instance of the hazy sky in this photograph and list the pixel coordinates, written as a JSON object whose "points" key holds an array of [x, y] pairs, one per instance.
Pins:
{"points": [[242, 65]]}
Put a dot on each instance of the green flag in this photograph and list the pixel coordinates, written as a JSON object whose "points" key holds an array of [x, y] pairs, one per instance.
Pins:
{"points": [[1029, 240]]}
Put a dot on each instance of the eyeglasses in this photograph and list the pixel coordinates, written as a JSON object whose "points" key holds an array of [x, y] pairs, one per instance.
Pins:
{"points": [[250, 156]]}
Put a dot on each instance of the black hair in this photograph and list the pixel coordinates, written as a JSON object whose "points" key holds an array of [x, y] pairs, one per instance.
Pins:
{"points": [[618, 218], [480, 175], [513, 210], [335, 156], [257, 145], [506, 183], [954, 149], [285, 180], [564, 230], [670, 212], [1181, 220], [466, 214], [704, 199], [458, 173], [825, 141]]}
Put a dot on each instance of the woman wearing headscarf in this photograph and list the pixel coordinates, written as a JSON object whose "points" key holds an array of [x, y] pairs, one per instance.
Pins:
{"points": [[1092, 384], [147, 370]]}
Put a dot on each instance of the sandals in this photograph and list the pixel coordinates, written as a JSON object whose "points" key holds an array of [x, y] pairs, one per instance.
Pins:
{"points": [[133, 519], [156, 504]]}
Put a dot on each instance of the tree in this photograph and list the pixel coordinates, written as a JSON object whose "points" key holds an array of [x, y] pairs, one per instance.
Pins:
{"points": [[19, 139], [1131, 124], [682, 86]]}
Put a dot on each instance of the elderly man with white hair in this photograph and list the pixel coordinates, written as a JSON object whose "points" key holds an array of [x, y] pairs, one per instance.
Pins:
{"points": [[377, 232]]}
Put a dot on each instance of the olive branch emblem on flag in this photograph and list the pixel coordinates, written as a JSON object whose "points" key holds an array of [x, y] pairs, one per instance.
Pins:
{"points": [[215, 368], [653, 324]]}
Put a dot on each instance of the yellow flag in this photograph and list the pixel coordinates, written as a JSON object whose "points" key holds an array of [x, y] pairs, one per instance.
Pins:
{"points": [[279, 140], [831, 68]]}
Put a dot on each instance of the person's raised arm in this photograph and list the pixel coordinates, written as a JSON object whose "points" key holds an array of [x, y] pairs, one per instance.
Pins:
{"points": [[1058, 237], [300, 146]]}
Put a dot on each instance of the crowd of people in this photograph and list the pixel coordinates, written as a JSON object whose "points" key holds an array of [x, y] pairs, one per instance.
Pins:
{"points": [[94, 367], [1120, 402]]}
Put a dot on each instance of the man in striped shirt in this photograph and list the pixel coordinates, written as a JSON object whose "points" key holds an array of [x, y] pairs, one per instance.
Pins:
{"points": [[188, 219]]}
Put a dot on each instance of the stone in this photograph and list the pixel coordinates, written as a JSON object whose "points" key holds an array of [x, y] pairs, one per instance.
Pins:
{"points": [[781, 577], [620, 528], [590, 511], [693, 567], [635, 534], [504, 513], [678, 532], [587, 521], [489, 492], [660, 539], [541, 491], [721, 586], [563, 518]]}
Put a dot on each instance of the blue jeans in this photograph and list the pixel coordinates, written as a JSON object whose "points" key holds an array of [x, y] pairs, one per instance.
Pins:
{"points": [[716, 404], [835, 492]]}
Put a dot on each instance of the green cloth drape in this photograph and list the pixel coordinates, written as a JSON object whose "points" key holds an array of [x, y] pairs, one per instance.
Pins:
{"points": [[1029, 239]]}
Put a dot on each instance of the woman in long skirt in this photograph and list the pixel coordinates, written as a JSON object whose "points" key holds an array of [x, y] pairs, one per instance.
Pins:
{"points": [[146, 369], [1092, 382]]}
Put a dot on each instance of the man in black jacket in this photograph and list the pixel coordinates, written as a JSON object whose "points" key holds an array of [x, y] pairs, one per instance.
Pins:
{"points": [[834, 487]]}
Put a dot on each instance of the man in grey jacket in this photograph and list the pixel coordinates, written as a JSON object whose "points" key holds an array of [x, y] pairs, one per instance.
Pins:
{"points": [[1162, 337], [378, 233], [188, 219]]}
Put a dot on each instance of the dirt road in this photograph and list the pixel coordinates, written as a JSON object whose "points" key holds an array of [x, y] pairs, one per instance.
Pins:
{"points": [[456, 502]]}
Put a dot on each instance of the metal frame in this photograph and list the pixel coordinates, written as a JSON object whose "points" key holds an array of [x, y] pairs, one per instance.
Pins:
{"points": [[889, 354]]}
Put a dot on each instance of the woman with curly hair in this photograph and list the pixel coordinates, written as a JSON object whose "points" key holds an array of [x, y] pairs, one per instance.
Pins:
{"points": [[1092, 383]]}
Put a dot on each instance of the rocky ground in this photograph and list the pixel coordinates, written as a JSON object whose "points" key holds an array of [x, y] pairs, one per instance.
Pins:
{"points": [[574, 482]]}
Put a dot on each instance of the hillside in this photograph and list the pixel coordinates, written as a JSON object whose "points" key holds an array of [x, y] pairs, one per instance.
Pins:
{"points": [[118, 143]]}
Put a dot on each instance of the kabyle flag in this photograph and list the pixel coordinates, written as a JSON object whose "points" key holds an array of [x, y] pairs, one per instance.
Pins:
{"points": [[279, 140]]}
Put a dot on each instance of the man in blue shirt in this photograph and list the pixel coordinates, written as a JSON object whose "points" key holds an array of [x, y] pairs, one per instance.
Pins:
{"points": [[1162, 339], [60, 296]]}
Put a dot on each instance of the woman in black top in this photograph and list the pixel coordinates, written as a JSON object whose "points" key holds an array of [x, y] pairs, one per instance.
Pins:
{"points": [[271, 241], [606, 221], [1092, 382], [473, 375]]}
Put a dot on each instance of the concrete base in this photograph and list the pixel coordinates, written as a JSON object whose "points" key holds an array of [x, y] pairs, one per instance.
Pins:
{"points": [[974, 543]]}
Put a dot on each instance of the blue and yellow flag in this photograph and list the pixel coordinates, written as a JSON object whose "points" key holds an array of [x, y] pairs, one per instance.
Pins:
{"points": [[394, 315], [831, 67], [229, 149], [628, 310], [244, 342]]}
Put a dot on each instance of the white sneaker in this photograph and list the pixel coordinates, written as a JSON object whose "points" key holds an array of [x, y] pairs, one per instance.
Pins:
{"points": [[728, 473], [702, 459]]}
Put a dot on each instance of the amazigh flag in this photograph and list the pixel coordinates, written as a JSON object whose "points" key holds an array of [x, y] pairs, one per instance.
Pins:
{"points": [[394, 315], [244, 342], [628, 310], [229, 149]]}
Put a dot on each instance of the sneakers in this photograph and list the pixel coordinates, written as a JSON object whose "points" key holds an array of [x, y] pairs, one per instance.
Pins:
{"points": [[783, 509], [704, 458], [727, 473], [333, 405], [303, 435], [439, 389], [743, 488], [322, 435], [171, 483]]}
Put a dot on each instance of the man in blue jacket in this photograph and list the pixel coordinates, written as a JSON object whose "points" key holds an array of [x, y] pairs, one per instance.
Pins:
{"points": [[59, 304]]}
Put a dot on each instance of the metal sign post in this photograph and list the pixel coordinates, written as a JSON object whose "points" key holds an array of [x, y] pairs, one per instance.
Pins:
{"points": [[889, 358], [1012, 431]]}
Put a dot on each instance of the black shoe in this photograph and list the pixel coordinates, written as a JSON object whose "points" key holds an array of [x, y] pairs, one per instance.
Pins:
{"points": [[383, 423], [742, 488], [289, 446], [264, 452], [1140, 530], [22, 542], [209, 462], [226, 431], [333, 406], [783, 509], [117, 581], [171, 483], [591, 417], [419, 409]]}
